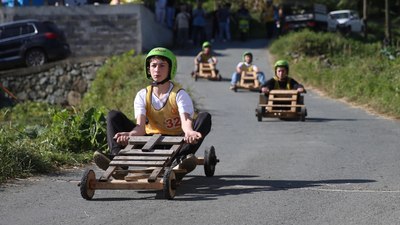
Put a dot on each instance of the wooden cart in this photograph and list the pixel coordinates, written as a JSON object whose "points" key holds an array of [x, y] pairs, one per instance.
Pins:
{"points": [[149, 164], [283, 104], [248, 80], [207, 71]]}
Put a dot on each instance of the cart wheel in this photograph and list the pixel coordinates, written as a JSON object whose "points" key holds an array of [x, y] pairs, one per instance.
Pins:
{"points": [[195, 77], [210, 160], [169, 184], [259, 114], [219, 77], [303, 114], [88, 177]]}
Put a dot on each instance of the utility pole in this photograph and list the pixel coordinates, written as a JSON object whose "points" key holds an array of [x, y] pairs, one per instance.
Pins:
{"points": [[365, 17], [387, 23]]}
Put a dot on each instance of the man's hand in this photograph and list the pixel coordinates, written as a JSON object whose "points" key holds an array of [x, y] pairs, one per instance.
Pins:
{"points": [[264, 90], [122, 138], [300, 90], [192, 137]]}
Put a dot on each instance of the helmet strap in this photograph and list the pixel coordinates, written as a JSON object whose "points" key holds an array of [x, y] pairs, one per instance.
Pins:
{"points": [[154, 83]]}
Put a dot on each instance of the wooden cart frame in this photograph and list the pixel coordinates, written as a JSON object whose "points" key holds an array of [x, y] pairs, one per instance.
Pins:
{"points": [[149, 162], [207, 71], [283, 104], [248, 80]]}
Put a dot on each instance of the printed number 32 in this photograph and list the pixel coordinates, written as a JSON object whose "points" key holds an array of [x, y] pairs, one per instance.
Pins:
{"points": [[173, 123]]}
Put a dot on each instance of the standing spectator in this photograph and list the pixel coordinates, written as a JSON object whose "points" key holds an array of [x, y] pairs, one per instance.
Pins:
{"points": [[199, 24], [215, 24], [160, 10], [281, 20], [182, 22], [224, 22], [243, 18], [268, 15], [170, 11]]}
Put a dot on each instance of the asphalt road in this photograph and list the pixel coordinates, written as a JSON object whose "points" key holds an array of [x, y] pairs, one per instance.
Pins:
{"points": [[341, 166]]}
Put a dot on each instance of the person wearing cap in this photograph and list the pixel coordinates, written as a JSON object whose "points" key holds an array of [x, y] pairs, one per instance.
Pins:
{"points": [[281, 79], [204, 56], [161, 108], [246, 65]]}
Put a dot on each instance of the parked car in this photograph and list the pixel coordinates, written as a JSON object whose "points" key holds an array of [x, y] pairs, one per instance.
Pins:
{"points": [[346, 21], [31, 43], [303, 14]]}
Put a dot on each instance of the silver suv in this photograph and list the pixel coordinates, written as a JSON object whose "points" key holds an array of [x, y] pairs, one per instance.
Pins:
{"points": [[31, 43], [346, 21]]}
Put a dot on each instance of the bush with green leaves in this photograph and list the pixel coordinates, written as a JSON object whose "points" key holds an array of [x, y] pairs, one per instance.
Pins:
{"points": [[117, 83], [37, 138]]}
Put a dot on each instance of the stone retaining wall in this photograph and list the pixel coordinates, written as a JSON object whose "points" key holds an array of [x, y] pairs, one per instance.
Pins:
{"points": [[63, 84]]}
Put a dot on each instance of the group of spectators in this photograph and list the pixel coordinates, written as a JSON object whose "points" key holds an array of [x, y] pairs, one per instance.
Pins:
{"points": [[195, 25]]}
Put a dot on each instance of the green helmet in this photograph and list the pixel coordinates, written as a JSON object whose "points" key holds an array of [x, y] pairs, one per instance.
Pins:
{"points": [[168, 55], [206, 44], [282, 63], [249, 54]]}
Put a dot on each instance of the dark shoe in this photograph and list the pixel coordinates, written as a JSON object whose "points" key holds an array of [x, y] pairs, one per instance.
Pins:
{"points": [[120, 174], [101, 160], [189, 163]]}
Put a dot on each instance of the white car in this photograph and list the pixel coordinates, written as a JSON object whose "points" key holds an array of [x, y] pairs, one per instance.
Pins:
{"points": [[345, 21]]}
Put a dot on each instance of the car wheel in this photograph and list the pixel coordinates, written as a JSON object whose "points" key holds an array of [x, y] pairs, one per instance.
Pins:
{"points": [[35, 57]]}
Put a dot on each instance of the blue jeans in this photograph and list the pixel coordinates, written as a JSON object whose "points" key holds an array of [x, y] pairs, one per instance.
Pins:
{"points": [[224, 29], [236, 78]]}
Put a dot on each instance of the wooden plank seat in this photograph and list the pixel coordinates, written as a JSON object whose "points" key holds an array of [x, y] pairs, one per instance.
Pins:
{"points": [[207, 71], [281, 104], [248, 80], [149, 155]]}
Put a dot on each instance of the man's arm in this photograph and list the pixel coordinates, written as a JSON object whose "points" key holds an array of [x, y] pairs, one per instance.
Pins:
{"points": [[197, 58], [122, 138], [239, 68], [191, 136], [269, 85], [297, 86]]}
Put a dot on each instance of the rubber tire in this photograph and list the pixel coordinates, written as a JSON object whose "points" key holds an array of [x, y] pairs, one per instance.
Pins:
{"points": [[259, 114], [219, 77], [35, 57], [210, 160], [169, 184], [303, 114], [88, 176]]}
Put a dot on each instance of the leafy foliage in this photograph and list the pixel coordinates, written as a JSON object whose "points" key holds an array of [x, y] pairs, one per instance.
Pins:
{"points": [[116, 84]]}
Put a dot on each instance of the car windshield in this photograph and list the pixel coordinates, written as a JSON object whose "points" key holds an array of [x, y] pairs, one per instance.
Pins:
{"points": [[340, 15]]}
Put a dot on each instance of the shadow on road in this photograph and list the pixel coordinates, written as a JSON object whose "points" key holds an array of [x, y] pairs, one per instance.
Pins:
{"points": [[316, 119], [196, 188]]}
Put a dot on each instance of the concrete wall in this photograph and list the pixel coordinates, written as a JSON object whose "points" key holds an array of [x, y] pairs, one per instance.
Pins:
{"points": [[101, 30]]}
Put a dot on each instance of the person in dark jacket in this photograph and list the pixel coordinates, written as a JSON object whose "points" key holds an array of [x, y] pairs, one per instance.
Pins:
{"points": [[281, 79]]}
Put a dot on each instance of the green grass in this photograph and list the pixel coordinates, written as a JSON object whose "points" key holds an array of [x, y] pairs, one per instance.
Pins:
{"points": [[343, 68]]}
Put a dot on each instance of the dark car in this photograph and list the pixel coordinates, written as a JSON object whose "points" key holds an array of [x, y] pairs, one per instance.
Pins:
{"points": [[31, 43]]}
